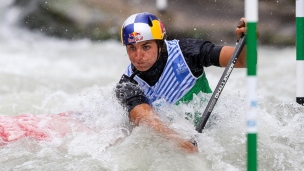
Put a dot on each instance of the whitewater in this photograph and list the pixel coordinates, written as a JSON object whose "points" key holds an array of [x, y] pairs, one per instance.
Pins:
{"points": [[43, 76]]}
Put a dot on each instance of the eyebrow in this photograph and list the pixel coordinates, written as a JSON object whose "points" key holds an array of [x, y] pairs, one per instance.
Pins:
{"points": [[149, 42]]}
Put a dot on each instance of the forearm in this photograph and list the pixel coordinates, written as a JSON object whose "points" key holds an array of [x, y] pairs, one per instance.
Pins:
{"points": [[241, 62], [144, 114], [226, 54]]}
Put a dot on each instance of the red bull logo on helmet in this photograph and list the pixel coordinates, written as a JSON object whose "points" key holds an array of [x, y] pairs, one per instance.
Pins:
{"points": [[135, 37], [162, 27]]}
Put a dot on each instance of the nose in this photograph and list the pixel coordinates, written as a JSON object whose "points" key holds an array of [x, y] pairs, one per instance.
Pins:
{"points": [[139, 53]]}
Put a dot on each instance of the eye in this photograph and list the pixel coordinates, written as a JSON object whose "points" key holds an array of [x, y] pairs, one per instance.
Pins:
{"points": [[146, 47], [132, 48]]}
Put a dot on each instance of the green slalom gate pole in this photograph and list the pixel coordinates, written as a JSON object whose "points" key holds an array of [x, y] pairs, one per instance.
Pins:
{"points": [[251, 14], [300, 51]]}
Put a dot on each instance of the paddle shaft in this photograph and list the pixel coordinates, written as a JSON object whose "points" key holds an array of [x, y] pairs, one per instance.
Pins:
{"points": [[220, 86]]}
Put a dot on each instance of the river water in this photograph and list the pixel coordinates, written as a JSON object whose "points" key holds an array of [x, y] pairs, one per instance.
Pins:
{"points": [[44, 76]]}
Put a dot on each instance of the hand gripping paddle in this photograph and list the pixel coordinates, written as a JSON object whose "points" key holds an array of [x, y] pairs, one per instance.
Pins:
{"points": [[220, 86]]}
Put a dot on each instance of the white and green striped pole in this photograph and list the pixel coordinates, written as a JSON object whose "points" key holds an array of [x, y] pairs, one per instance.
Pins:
{"points": [[300, 50], [251, 14]]}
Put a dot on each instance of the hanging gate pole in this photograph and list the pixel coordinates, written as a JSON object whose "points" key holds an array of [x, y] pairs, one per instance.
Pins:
{"points": [[251, 14], [300, 51]]}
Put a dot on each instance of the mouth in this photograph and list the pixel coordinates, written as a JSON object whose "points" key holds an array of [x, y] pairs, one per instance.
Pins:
{"points": [[140, 63], [140, 66]]}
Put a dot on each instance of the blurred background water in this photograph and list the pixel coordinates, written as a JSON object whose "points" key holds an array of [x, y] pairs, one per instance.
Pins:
{"points": [[44, 75]]}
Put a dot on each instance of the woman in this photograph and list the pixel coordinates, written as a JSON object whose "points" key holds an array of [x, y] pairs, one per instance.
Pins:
{"points": [[171, 70]]}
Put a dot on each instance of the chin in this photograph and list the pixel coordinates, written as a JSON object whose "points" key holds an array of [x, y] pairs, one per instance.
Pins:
{"points": [[141, 69]]}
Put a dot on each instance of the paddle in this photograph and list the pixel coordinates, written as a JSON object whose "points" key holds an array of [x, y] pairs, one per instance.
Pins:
{"points": [[220, 86]]}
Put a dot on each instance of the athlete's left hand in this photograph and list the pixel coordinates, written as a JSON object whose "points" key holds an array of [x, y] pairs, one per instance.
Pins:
{"points": [[241, 28]]}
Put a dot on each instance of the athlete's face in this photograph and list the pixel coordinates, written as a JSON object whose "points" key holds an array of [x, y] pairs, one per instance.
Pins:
{"points": [[143, 54]]}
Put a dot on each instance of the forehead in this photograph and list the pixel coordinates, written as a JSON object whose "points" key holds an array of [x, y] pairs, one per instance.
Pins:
{"points": [[143, 43]]}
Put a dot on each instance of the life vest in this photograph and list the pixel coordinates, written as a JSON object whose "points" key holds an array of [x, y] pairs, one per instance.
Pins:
{"points": [[177, 83]]}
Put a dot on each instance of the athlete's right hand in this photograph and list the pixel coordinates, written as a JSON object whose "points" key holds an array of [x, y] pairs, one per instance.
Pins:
{"points": [[187, 146]]}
